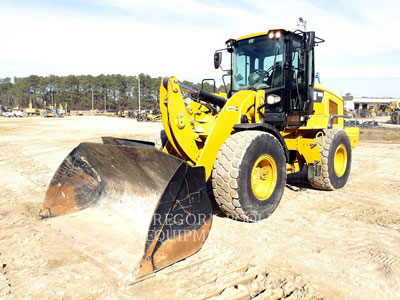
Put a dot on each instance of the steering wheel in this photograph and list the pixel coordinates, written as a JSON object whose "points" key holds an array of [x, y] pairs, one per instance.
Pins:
{"points": [[257, 79], [260, 71], [256, 74]]}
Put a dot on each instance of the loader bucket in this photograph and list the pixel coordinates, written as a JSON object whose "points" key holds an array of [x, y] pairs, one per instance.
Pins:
{"points": [[133, 209]]}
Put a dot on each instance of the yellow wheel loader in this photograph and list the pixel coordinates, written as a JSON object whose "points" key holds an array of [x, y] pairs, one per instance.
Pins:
{"points": [[139, 206]]}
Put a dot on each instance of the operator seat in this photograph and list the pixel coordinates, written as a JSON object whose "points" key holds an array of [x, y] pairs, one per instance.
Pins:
{"points": [[278, 76]]}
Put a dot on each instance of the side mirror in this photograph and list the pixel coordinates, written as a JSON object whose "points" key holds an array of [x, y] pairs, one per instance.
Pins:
{"points": [[217, 59]]}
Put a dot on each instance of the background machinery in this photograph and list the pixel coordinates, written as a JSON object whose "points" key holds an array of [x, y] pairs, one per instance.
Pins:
{"points": [[141, 116], [383, 109], [125, 113], [148, 208], [149, 115], [395, 112], [154, 115], [48, 111], [60, 111], [364, 111], [30, 111]]}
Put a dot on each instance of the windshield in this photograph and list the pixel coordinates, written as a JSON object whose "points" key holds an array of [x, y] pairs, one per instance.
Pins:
{"points": [[253, 63]]}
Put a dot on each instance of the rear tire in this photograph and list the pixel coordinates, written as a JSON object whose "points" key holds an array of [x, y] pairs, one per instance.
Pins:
{"points": [[395, 117], [249, 175], [335, 150]]}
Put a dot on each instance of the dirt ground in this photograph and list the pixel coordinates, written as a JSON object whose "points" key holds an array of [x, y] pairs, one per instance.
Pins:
{"points": [[317, 245]]}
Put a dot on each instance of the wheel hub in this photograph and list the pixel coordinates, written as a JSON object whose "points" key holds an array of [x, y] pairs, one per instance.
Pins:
{"points": [[340, 160], [264, 177]]}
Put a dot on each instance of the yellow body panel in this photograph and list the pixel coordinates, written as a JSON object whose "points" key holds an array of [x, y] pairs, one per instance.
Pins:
{"points": [[354, 135], [307, 147], [223, 127], [251, 35], [323, 109]]}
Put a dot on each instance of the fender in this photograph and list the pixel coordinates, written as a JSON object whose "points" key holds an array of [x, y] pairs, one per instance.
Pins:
{"points": [[267, 128]]}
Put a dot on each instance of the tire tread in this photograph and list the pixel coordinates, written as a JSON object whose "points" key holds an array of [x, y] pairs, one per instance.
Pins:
{"points": [[323, 182], [226, 172]]}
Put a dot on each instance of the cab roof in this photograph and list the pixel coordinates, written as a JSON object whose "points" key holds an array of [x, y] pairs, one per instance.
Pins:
{"points": [[262, 33]]}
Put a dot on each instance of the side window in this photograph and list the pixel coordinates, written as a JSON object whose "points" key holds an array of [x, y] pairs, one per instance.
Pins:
{"points": [[310, 74], [278, 76], [242, 69], [256, 63], [297, 63], [299, 79]]}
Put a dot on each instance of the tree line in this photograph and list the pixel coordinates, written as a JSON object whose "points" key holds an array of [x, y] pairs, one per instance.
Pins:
{"points": [[79, 92]]}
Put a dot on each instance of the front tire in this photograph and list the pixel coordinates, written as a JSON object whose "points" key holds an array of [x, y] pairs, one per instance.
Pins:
{"points": [[249, 175], [335, 150]]}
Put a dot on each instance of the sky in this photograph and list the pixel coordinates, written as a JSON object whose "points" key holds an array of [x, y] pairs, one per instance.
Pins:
{"points": [[361, 54]]}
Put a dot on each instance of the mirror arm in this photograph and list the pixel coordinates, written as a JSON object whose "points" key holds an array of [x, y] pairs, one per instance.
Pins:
{"points": [[223, 80]]}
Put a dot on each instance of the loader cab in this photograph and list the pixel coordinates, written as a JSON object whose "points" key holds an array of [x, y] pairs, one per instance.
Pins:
{"points": [[281, 63]]}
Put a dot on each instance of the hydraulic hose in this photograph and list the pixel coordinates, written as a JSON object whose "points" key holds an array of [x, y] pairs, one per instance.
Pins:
{"points": [[204, 96]]}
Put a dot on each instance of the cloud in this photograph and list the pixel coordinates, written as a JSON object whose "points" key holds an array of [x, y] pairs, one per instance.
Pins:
{"points": [[58, 43], [178, 37], [182, 7]]}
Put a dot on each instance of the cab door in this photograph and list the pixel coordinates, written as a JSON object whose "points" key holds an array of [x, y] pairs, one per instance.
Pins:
{"points": [[301, 77]]}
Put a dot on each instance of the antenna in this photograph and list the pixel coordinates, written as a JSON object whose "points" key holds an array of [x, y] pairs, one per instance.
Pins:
{"points": [[302, 24]]}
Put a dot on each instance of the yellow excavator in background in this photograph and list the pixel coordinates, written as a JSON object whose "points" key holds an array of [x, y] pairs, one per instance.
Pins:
{"points": [[30, 111], [139, 206]]}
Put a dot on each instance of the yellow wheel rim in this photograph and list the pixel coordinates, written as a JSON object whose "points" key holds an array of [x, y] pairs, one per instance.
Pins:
{"points": [[340, 160], [264, 177]]}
